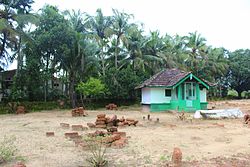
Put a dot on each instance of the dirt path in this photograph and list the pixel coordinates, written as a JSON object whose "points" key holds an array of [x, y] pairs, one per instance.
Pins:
{"points": [[150, 143]]}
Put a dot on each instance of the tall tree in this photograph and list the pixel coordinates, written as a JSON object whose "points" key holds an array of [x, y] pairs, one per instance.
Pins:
{"points": [[100, 30], [51, 35], [239, 70], [120, 25], [12, 16]]}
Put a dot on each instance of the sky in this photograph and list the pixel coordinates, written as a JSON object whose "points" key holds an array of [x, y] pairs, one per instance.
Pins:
{"points": [[224, 23]]}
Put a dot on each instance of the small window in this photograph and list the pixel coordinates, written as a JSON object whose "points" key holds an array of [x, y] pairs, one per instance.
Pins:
{"points": [[167, 92]]}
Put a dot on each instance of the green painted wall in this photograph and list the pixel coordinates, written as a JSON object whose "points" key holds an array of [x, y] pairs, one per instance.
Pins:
{"points": [[180, 104]]}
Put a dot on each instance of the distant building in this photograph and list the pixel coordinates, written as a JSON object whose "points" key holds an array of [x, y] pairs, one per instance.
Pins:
{"points": [[7, 80]]}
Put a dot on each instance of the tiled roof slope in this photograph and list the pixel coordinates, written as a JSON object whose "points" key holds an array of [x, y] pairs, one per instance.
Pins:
{"points": [[167, 77]]}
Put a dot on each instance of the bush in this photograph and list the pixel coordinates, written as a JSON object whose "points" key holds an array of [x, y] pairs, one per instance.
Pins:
{"points": [[232, 94]]}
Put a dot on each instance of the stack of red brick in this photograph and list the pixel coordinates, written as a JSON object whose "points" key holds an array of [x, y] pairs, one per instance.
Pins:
{"points": [[128, 121], [20, 110], [102, 121], [78, 112], [111, 106], [114, 139]]}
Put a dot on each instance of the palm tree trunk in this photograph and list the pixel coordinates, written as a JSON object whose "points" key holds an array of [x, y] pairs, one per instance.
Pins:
{"points": [[72, 89], [117, 52], [103, 63]]}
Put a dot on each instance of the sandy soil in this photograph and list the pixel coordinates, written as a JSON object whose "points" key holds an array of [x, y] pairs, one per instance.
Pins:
{"points": [[150, 143]]}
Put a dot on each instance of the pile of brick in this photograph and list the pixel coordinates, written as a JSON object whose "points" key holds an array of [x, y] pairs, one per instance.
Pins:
{"points": [[113, 139], [111, 106], [78, 112], [247, 119], [102, 121], [76, 138], [128, 121], [20, 110]]}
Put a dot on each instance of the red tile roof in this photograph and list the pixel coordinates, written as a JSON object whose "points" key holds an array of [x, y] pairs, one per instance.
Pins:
{"points": [[167, 77]]}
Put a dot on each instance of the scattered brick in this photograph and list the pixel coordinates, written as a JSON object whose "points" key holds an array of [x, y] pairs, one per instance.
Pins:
{"points": [[177, 156], [71, 134], [64, 125], [50, 134], [20, 110], [91, 125], [111, 106], [106, 122], [101, 115], [101, 126], [78, 112], [122, 134], [77, 127]]}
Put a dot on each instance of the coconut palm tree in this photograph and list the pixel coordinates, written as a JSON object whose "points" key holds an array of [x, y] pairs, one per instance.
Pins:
{"points": [[120, 25], [100, 31], [14, 15]]}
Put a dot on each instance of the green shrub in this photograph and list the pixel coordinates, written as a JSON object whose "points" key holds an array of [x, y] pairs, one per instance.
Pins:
{"points": [[232, 93]]}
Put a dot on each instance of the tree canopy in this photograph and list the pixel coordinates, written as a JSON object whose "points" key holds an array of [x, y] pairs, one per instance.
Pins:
{"points": [[72, 48]]}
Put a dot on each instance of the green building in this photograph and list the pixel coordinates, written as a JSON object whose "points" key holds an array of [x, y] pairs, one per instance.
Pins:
{"points": [[173, 89]]}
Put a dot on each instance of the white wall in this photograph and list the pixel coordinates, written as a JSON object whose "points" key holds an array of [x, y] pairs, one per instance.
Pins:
{"points": [[203, 95], [145, 93], [158, 96]]}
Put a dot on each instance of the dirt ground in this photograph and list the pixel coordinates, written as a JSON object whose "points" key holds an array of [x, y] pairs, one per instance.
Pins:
{"points": [[203, 142]]}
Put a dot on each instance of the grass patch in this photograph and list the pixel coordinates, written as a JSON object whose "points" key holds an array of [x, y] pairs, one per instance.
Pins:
{"points": [[8, 150]]}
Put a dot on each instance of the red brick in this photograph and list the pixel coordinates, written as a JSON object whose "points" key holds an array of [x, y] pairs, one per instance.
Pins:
{"points": [[50, 134], [177, 156], [116, 136], [101, 126], [91, 125], [20, 110], [101, 115], [100, 122], [71, 134], [122, 134], [77, 127], [64, 125], [101, 119]]}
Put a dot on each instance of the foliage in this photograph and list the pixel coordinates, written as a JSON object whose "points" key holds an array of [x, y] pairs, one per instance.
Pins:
{"points": [[77, 47], [121, 84], [239, 70], [8, 149], [97, 149], [12, 106], [14, 15], [92, 88]]}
